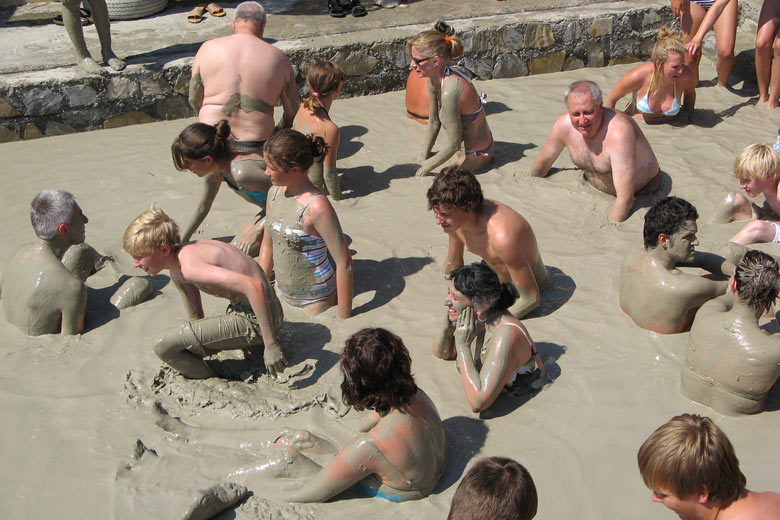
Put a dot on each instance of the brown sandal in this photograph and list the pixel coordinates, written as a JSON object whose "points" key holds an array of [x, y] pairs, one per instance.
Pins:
{"points": [[215, 10], [196, 15]]}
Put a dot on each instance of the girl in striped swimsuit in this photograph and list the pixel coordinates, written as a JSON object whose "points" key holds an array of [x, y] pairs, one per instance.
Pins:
{"points": [[303, 244]]}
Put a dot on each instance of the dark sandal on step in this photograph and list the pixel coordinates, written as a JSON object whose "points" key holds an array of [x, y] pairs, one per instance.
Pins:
{"points": [[356, 9], [335, 9]]}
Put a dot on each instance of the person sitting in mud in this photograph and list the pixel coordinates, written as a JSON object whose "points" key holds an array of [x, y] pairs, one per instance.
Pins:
{"points": [[401, 453], [240, 77], [757, 167], [453, 102], [491, 230], [206, 151], [303, 244], [732, 363], [662, 90], [653, 291], [252, 319], [508, 358], [324, 81], [692, 469], [495, 488], [40, 295], [71, 18], [607, 145]]}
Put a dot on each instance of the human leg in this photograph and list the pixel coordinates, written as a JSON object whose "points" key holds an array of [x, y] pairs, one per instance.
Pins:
{"points": [[774, 81], [725, 36], [758, 231], [71, 18], [478, 160], [103, 27], [768, 25], [690, 19], [733, 207]]}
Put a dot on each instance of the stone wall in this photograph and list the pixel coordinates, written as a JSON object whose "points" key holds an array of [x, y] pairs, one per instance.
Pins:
{"points": [[64, 101]]}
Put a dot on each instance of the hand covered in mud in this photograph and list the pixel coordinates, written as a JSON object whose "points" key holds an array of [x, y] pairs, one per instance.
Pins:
{"points": [[248, 240], [465, 328], [302, 440], [274, 359]]}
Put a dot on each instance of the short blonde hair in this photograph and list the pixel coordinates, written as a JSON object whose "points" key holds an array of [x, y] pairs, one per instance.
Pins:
{"points": [[757, 161], [149, 232]]}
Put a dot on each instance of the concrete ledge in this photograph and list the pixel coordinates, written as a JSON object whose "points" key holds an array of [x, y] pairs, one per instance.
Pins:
{"points": [[59, 101]]}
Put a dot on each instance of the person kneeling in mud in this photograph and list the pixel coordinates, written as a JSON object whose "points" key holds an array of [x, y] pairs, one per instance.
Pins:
{"points": [[252, 319]]}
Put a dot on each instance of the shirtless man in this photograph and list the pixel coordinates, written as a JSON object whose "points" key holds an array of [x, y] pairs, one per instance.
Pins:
{"points": [[491, 230], [653, 292], [40, 295], [252, 319], [691, 467], [607, 145], [731, 363], [239, 78]]}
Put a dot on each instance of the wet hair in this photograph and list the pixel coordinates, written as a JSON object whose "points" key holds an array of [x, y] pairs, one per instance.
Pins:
{"points": [[457, 188], [49, 209], [667, 216], [480, 283], [667, 41], [757, 161], [440, 41], [199, 140], [377, 371], [758, 281], [322, 79], [250, 12], [495, 488], [149, 232], [581, 87], [688, 454], [289, 148]]}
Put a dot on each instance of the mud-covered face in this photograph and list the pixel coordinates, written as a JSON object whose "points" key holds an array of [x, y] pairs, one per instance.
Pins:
{"points": [[77, 227], [456, 301], [682, 244], [584, 113], [449, 218]]}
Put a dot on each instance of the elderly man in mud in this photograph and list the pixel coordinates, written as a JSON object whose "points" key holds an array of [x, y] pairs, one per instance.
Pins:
{"points": [[252, 318], [43, 283], [240, 77], [493, 231], [653, 291], [607, 145]]}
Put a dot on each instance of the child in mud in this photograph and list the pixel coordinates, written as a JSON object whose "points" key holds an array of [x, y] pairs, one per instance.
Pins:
{"points": [[303, 244], [324, 81], [495, 488], [453, 102], [732, 363], [252, 319], [208, 152], [508, 358], [758, 169]]}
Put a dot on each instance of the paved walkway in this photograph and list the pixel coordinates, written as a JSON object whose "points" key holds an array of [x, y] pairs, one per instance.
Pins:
{"points": [[31, 42]]}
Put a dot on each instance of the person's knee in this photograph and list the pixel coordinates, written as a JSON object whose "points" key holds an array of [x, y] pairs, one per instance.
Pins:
{"points": [[70, 4], [764, 43], [726, 53], [759, 231], [166, 347]]}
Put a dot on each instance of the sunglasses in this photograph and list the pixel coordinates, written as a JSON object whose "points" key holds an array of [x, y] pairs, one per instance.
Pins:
{"points": [[417, 61]]}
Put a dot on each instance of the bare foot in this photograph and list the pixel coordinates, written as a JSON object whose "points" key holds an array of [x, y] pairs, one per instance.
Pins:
{"points": [[113, 62], [303, 440], [90, 66], [212, 501]]}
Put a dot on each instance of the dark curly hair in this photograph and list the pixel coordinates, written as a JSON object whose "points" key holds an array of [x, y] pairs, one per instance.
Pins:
{"points": [[289, 148], [480, 283], [377, 371], [667, 216], [757, 281], [457, 188]]}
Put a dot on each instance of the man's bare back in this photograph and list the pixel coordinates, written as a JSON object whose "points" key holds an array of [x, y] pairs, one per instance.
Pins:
{"points": [[240, 77]]}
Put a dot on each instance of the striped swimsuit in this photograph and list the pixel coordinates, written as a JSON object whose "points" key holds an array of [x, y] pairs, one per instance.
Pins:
{"points": [[704, 3], [309, 255]]}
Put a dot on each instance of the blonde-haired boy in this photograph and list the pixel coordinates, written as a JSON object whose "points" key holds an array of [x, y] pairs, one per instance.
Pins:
{"points": [[252, 319], [758, 169]]}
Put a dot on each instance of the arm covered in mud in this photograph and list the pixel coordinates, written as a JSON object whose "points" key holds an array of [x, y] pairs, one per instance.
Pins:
{"points": [[711, 263], [290, 99], [211, 184], [454, 255], [74, 308], [352, 464], [330, 174], [449, 115], [327, 225], [444, 344], [552, 148], [190, 297], [434, 124], [521, 274], [482, 388], [196, 86]]}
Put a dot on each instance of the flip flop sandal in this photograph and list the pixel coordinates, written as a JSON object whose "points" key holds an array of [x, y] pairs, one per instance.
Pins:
{"points": [[196, 15], [356, 9], [58, 20], [335, 9], [215, 10]]}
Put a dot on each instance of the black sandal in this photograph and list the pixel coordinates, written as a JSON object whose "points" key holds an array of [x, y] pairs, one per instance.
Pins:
{"points": [[335, 9], [356, 9]]}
